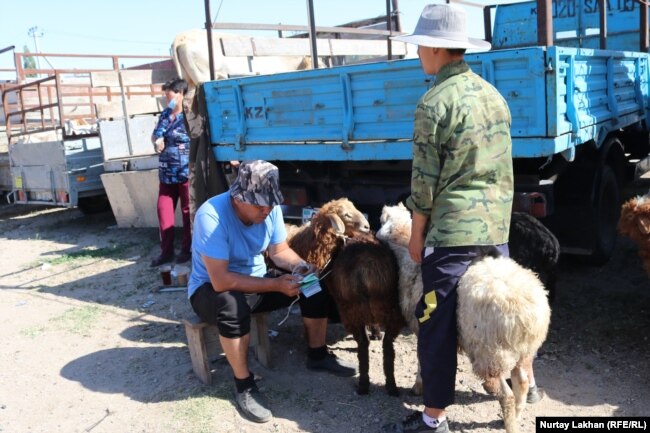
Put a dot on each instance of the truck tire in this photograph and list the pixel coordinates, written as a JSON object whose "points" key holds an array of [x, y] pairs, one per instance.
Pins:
{"points": [[94, 205], [606, 205]]}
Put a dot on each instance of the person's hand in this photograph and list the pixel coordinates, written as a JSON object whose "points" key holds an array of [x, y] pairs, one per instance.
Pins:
{"points": [[416, 244], [312, 269], [288, 285], [159, 144], [304, 268]]}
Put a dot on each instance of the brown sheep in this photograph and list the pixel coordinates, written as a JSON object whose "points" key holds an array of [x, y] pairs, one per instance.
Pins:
{"points": [[362, 280], [363, 283], [318, 241], [635, 224]]}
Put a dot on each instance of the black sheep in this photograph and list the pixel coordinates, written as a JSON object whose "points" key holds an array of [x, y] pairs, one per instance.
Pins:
{"points": [[533, 246]]}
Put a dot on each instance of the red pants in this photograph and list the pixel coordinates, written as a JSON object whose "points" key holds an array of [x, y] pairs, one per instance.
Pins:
{"points": [[168, 196]]}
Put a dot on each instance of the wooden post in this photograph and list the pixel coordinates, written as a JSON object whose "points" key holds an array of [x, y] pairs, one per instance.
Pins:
{"points": [[260, 339], [198, 352]]}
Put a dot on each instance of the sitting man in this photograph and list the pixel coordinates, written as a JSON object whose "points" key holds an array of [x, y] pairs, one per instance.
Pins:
{"points": [[231, 232]]}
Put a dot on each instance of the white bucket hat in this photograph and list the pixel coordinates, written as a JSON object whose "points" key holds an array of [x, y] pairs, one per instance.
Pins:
{"points": [[443, 26]]}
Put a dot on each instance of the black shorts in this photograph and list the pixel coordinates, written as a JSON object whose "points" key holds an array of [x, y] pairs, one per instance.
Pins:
{"points": [[231, 311]]}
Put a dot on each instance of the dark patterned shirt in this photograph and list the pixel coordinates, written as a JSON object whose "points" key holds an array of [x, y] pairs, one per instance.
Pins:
{"points": [[173, 162], [462, 161]]}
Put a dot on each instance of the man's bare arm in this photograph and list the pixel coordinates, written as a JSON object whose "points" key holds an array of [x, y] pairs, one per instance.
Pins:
{"points": [[284, 257], [223, 280], [418, 233]]}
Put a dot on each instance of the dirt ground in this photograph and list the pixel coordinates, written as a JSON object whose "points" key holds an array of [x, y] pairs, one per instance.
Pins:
{"points": [[89, 344]]}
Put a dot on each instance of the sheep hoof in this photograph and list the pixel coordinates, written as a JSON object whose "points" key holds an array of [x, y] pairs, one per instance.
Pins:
{"points": [[363, 390], [392, 391]]}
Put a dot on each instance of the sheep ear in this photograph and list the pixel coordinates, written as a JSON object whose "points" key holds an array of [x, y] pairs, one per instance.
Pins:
{"points": [[644, 225], [337, 223]]}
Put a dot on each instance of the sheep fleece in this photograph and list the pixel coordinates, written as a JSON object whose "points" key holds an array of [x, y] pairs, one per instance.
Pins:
{"points": [[503, 315]]}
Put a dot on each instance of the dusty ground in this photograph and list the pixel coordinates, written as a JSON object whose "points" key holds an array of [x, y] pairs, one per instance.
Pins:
{"points": [[90, 345]]}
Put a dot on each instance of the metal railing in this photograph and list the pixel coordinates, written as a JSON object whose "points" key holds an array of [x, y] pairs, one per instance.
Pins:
{"points": [[62, 100]]}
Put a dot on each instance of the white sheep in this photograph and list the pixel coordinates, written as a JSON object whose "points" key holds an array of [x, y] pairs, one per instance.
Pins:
{"points": [[503, 319], [396, 231], [503, 313]]}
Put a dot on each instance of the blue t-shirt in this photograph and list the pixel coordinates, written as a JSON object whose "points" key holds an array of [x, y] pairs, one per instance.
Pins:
{"points": [[219, 234]]}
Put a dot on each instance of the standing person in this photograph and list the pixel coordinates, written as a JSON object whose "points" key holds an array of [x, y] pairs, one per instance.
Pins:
{"points": [[229, 278], [172, 142], [461, 195]]}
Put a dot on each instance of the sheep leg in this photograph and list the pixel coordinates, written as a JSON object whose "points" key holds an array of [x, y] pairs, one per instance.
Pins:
{"points": [[389, 361], [519, 388], [507, 402], [416, 389], [364, 362]]}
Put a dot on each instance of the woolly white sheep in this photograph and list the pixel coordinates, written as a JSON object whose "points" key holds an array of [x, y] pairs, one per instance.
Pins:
{"points": [[503, 319], [509, 311]]}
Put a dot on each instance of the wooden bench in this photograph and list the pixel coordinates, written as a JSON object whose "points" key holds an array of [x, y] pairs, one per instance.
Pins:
{"points": [[203, 342]]}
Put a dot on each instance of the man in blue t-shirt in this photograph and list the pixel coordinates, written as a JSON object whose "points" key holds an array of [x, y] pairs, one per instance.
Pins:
{"points": [[232, 231]]}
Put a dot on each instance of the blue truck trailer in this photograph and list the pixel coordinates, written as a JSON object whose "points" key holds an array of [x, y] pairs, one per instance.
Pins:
{"points": [[578, 98]]}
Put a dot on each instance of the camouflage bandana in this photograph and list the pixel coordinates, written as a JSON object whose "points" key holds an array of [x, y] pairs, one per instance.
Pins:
{"points": [[257, 183]]}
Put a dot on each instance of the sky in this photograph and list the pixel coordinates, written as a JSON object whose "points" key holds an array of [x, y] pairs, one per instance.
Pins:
{"points": [[148, 27]]}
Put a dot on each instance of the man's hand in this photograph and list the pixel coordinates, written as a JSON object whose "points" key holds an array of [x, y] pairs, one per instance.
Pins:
{"points": [[416, 244], [303, 268], [288, 285], [418, 229]]}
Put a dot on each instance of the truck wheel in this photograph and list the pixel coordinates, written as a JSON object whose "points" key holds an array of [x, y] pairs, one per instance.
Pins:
{"points": [[606, 206], [93, 205]]}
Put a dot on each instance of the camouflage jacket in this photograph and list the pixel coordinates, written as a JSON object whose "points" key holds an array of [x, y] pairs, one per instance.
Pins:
{"points": [[462, 161]]}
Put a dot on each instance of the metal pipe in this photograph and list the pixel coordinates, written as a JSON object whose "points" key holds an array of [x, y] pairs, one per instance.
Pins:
{"points": [[398, 24], [389, 27], [643, 27], [312, 34], [297, 28], [487, 23], [208, 29], [544, 23], [127, 126], [602, 6], [20, 72]]}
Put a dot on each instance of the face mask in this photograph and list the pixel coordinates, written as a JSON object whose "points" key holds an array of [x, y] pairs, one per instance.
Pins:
{"points": [[172, 104]]}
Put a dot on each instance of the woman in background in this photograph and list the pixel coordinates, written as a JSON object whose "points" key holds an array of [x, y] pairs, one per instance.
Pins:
{"points": [[172, 142]]}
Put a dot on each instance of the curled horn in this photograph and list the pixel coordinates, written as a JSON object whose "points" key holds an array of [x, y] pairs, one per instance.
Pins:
{"points": [[337, 223]]}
